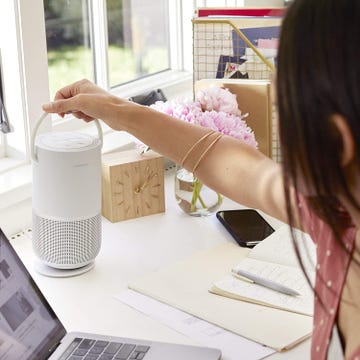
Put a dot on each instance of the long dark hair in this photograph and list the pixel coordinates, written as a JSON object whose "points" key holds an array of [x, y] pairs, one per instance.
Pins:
{"points": [[318, 77]]}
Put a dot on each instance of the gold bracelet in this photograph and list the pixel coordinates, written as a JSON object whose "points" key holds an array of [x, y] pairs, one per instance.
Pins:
{"points": [[194, 145], [218, 137]]}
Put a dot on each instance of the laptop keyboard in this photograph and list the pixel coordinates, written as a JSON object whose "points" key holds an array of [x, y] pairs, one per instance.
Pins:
{"points": [[90, 349]]}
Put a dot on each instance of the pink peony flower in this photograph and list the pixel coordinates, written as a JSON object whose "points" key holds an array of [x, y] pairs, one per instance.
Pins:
{"points": [[215, 108], [218, 99], [183, 109], [228, 124]]}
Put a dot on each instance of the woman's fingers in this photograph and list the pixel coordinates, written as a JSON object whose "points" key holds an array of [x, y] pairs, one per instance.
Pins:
{"points": [[60, 106]]}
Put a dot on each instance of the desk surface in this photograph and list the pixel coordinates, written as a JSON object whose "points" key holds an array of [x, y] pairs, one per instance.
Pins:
{"points": [[130, 249]]}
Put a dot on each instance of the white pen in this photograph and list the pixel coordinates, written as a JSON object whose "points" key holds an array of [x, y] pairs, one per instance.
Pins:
{"points": [[265, 282]]}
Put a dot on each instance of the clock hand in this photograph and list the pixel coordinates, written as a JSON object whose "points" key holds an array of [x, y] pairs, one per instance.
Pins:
{"points": [[140, 188]]}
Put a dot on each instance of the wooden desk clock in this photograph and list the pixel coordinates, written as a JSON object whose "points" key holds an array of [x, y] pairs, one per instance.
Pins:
{"points": [[132, 184]]}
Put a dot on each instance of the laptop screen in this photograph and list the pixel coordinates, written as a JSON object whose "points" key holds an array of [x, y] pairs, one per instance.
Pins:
{"points": [[29, 329]]}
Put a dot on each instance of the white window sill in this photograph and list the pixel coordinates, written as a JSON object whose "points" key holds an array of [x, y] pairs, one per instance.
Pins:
{"points": [[9, 163], [173, 83], [15, 186]]}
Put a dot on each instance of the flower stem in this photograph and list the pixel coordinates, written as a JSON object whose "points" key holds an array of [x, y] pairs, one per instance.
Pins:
{"points": [[220, 199], [197, 186]]}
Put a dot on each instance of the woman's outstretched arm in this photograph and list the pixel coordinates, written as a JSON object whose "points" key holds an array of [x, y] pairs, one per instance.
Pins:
{"points": [[227, 165]]}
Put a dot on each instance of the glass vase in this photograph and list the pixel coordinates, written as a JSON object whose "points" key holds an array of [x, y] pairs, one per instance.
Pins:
{"points": [[193, 197]]}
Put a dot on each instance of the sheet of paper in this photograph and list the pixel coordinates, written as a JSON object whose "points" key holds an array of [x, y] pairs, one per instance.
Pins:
{"points": [[232, 287], [279, 248], [233, 347]]}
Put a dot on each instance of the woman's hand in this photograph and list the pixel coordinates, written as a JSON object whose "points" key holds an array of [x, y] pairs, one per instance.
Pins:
{"points": [[87, 101]]}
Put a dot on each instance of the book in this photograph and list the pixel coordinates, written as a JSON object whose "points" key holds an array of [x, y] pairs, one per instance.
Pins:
{"points": [[254, 35], [274, 259]]}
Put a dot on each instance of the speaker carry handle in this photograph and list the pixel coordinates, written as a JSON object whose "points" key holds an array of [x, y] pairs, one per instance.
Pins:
{"points": [[36, 128]]}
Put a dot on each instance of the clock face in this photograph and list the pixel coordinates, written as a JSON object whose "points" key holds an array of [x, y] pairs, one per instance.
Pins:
{"points": [[138, 188]]}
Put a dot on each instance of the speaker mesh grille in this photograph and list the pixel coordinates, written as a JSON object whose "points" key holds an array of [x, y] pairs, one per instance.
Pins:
{"points": [[66, 244]]}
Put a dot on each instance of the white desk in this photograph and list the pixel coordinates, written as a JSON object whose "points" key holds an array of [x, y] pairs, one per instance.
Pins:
{"points": [[130, 249]]}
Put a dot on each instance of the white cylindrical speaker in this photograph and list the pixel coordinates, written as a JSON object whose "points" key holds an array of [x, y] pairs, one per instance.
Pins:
{"points": [[66, 199]]}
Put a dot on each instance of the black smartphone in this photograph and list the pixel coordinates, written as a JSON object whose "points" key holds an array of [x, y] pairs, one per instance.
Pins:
{"points": [[246, 226]]}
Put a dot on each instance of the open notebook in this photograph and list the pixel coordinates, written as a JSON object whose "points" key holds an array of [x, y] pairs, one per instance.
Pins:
{"points": [[274, 259]]}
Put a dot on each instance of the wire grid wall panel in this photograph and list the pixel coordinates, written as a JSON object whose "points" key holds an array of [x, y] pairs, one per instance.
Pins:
{"points": [[217, 44], [210, 41], [221, 50]]}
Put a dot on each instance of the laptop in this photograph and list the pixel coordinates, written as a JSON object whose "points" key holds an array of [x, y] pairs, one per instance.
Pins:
{"points": [[29, 328]]}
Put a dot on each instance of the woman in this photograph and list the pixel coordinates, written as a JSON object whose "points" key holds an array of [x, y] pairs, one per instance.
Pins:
{"points": [[316, 188]]}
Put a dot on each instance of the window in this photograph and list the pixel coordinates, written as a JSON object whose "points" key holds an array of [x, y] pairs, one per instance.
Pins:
{"points": [[138, 36], [127, 46], [112, 42], [48, 44], [68, 38], [45, 44], [25, 82]]}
